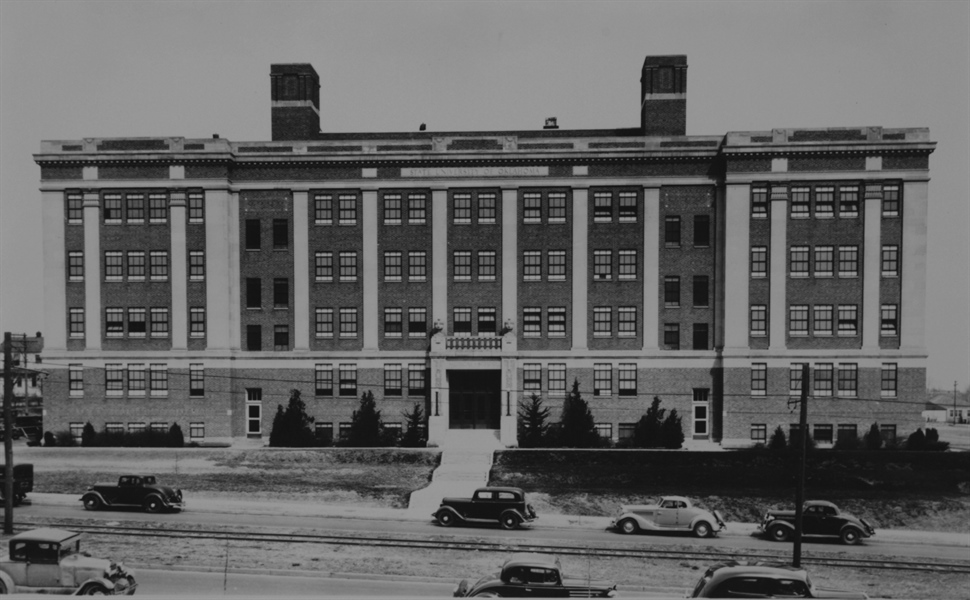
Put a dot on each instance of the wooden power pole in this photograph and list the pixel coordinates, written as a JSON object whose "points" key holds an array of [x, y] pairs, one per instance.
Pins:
{"points": [[800, 484], [7, 435]]}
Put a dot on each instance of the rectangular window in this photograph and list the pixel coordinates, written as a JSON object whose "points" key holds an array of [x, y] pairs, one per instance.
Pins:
{"points": [[890, 201], [75, 380], [281, 337], [462, 321], [672, 232], [486, 265], [822, 434], [888, 378], [531, 207], [114, 380], [114, 322], [823, 379], [759, 261], [158, 380], [392, 380], [462, 203], [75, 266], [324, 323], [798, 265], [281, 234], [281, 293], [393, 210], [113, 266], [253, 234], [136, 427], [799, 202], [795, 379], [556, 379], [602, 265], [532, 378], [626, 430], [759, 320], [323, 266], [702, 231], [343, 430], [759, 203], [602, 321], [848, 261], [824, 202], [890, 261], [888, 433], [348, 322], [531, 265], [323, 209], [417, 322], [531, 322], [798, 319], [602, 207], [254, 292], [671, 291], [196, 431], [604, 430], [462, 262], [112, 209], [759, 379], [417, 266], [136, 380], [824, 258], [393, 270], [557, 265], [849, 202], [158, 263], [393, 322], [889, 320], [848, 380], [159, 322], [823, 319], [136, 266], [254, 337], [76, 322], [416, 380], [157, 208], [486, 321], [848, 432], [196, 208], [626, 321], [557, 207], [196, 265], [672, 336], [347, 209], [323, 380], [114, 427], [196, 380], [701, 291], [602, 379], [848, 319], [417, 209], [196, 322], [486, 208], [75, 209], [348, 380], [628, 264], [701, 335], [628, 207], [628, 379], [135, 205], [348, 266], [759, 433]]}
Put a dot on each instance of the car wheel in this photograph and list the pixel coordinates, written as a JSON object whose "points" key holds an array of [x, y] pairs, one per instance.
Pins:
{"points": [[628, 526], [3, 588], [779, 533], [92, 502], [445, 518], [850, 536], [702, 529], [94, 589], [509, 521], [153, 504]]}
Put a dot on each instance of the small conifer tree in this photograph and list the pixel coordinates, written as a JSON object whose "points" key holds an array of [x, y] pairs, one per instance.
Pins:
{"points": [[366, 427], [778, 441], [175, 437], [292, 427], [873, 438], [647, 432], [672, 431], [88, 435], [576, 426], [415, 422], [533, 423]]}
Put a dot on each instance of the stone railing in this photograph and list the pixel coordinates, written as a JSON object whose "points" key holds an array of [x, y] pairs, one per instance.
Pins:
{"points": [[473, 343]]}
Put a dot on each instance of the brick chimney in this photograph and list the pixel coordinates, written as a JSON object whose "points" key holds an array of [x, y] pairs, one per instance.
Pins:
{"points": [[663, 96], [295, 92]]}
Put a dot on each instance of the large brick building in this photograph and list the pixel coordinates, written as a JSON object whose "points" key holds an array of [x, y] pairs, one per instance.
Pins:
{"points": [[197, 281]]}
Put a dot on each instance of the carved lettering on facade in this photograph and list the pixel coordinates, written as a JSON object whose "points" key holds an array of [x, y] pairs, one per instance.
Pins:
{"points": [[474, 171]]}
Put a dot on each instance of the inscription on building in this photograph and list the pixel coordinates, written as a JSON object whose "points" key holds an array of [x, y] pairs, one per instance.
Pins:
{"points": [[474, 171]]}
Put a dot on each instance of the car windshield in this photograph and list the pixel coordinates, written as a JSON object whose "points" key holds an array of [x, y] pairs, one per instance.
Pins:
{"points": [[701, 583], [67, 549]]}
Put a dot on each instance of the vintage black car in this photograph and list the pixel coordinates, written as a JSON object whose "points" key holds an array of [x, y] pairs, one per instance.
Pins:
{"points": [[761, 580], [23, 482], [134, 490], [505, 505], [529, 575], [819, 517]]}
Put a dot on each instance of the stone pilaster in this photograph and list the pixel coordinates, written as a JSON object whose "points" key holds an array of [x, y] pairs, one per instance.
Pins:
{"points": [[180, 330], [220, 245], [777, 308], [913, 272], [737, 226], [872, 256], [301, 272], [370, 263], [55, 267], [510, 254], [92, 270], [580, 267], [439, 257], [651, 268]]}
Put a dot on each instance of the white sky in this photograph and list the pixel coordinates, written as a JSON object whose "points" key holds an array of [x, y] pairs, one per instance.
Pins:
{"points": [[78, 69]]}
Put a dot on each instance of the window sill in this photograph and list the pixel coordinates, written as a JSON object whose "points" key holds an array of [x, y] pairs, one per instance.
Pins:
{"points": [[324, 336], [758, 334], [323, 223], [418, 222], [392, 222]]}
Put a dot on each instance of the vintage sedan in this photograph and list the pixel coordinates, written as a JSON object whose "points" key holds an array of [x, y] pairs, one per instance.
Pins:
{"points": [[669, 513], [761, 580], [50, 561], [819, 517], [528, 575], [506, 506], [134, 490]]}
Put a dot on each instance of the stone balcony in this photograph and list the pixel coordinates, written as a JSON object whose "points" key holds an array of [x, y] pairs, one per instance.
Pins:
{"points": [[466, 345], [454, 342]]}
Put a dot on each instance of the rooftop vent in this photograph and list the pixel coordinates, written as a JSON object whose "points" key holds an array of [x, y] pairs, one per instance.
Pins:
{"points": [[551, 123]]}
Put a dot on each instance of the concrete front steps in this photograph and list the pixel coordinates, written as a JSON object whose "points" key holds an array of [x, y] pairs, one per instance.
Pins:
{"points": [[466, 460]]}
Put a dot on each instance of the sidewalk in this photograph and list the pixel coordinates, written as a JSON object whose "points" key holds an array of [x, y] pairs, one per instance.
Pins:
{"points": [[556, 521]]}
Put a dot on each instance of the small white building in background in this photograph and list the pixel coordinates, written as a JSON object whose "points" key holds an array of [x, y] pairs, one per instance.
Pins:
{"points": [[941, 409]]}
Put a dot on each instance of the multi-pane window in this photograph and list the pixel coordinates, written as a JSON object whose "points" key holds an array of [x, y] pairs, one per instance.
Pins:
{"points": [[671, 291], [602, 265], [701, 291], [197, 322], [114, 322], [626, 321], [323, 209], [347, 209], [890, 261], [628, 207], [823, 379], [462, 261], [462, 321], [158, 264], [602, 321], [602, 207], [393, 322], [824, 202], [393, 269], [822, 319], [556, 379], [486, 321], [281, 234], [112, 208], [798, 319], [531, 322], [159, 322], [114, 380], [822, 433], [75, 266], [557, 265], [417, 322], [281, 337], [75, 209], [76, 316], [158, 380], [196, 208], [196, 431], [824, 259], [672, 232], [557, 207], [848, 432], [628, 264], [759, 433], [701, 335], [136, 380], [157, 208], [348, 266], [113, 266], [795, 379], [888, 380], [463, 208], [888, 433], [417, 266], [417, 209], [798, 263], [672, 336], [890, 201], [702, 231], [531, 207], [602, 379], [604, 430], [849, 201], [281, 293], [486, 208], [253, 234], [759, 320], [531, 265], [759, 379], [323, 380], [196, 265], [759, 203], [196, 380], [392, 380], [348, 322], [486, 265], [254, 337], [393, 211], [628, 379], [848, 319], [135, 206], [848, 380], [75, 380], [416, 380], [324, 323], [759, 261], [799, 202], [889, 320], [556, 321], [848, 261], [254, 292], [137, 326], [136, 265], [323, 266], [348, 380], [531, 378]]}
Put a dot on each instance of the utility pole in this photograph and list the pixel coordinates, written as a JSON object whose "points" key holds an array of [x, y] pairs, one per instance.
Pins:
{"points": [[7, 435], [800, 484], [955, 420]]}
